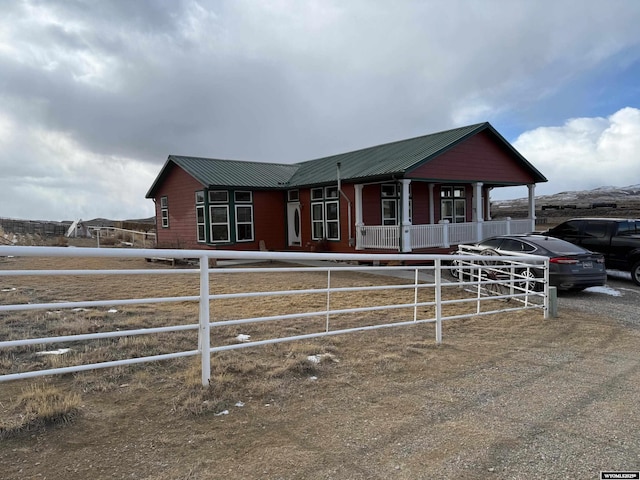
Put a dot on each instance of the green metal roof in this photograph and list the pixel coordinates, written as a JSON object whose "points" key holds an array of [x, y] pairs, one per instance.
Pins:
{"points": [[235, 173], [394, 158], [390, 159]]}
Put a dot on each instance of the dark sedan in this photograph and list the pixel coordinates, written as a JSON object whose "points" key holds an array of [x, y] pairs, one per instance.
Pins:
{"points": [[570, 267]]}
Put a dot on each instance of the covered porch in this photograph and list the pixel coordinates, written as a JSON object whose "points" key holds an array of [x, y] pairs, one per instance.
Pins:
{"points": [[405, 236]]}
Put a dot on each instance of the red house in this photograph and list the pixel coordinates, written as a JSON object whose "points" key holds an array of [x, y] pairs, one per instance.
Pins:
{"points": [[422, 193]]}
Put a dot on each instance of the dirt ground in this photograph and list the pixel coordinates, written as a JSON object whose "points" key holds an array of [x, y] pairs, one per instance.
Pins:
{"points": [[505, 396]]}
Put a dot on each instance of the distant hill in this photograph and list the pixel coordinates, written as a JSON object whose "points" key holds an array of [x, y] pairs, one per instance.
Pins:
{"points": [[599, 202]]}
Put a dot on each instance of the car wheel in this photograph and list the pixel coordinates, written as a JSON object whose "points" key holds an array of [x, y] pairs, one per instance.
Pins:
{"points": [[454, 271], [530, 281], [635, 273]]}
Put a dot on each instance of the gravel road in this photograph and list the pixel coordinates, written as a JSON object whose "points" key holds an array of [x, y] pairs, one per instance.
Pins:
{"points": [[620, 299]]}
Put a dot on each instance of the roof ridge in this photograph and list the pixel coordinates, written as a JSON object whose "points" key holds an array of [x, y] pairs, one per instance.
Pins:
{"points": [[471, 128], [230, 160]]}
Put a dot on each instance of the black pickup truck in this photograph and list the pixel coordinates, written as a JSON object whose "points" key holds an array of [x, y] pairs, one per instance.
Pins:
{"points": [[617, 239]]}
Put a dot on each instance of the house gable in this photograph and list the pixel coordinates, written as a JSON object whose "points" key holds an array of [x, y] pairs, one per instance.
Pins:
{"points": [[483, 157]]}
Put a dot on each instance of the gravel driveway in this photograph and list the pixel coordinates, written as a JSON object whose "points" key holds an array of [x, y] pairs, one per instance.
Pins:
{"points": [[620, 299]]}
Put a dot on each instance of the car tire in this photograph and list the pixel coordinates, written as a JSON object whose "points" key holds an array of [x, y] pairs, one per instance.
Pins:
{"points": [[532, 278], [635, 273]]}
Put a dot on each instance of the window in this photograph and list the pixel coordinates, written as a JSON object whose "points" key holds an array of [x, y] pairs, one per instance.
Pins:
{"points": [[200, 217], [293, 195], [164, 211], [230, 216], [389, 211], [389, 190], [219, 218], [317, 221], [391, 203], [453, 204], [331, 192], [332, 220], [242, 197], [218, 196], [325, 213], [244, 223]]}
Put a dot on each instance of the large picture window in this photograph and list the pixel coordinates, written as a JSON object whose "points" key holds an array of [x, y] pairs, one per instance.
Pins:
{"points": [[325, 214], [230, 216]]}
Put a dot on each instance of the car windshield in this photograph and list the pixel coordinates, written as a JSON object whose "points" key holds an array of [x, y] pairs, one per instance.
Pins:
{"points": [[558, 246]]}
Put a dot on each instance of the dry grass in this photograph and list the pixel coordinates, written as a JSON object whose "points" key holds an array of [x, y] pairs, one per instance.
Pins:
{"points": [[373, 402], [38, 406], [263, 371]]}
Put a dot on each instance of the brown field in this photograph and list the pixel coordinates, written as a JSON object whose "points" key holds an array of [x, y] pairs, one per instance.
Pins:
{"points": [[504, 396]]}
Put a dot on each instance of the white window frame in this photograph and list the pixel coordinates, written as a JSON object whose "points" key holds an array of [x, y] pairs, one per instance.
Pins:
{"points": [[212, 194], [332, 221], [235, 196], [238, 223], [293, 195], [164, 211], [386, 220], [213, 224], [201, 218], [317, 222], [454, 196]]}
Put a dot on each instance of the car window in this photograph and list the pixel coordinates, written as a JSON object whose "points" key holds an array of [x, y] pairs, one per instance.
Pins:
{"points": [[559, 247], [513, 245], [595, 229], [630, 227], [570, 228], [491, 243]]}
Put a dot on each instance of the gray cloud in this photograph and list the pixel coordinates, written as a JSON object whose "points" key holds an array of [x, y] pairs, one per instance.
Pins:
{"points": [[129, 82]]}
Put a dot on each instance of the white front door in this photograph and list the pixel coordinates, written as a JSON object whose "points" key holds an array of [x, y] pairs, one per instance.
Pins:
{"points": [[294, 225]]}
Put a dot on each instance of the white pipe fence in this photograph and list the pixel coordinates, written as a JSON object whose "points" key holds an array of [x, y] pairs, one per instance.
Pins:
{"points": [[424, 272]]}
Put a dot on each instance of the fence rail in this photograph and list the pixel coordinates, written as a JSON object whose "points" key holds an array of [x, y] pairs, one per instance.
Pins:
{"points": [[425, 274]]}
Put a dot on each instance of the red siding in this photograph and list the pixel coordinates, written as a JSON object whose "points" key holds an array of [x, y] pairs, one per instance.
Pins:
{"points": [[180, 188], [269, 220], [480, 158]]}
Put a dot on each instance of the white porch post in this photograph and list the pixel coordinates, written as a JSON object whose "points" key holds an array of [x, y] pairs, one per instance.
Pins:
{"points": [[432, 207], [359, 224], [406, 220], [477, 209], [487, 203], [532, 205]]}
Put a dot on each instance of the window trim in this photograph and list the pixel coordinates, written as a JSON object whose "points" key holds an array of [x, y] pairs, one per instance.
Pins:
{"points": [[238, 223], [164, 211], [212, 200], [213, 224], [235, 196]]}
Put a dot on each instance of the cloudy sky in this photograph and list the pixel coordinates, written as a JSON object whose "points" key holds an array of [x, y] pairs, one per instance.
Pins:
{"points": [[94, 95]]}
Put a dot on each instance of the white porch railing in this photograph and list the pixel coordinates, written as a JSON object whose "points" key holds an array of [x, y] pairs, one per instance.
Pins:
{"points": [[385, 237], [428, 276], [438, 235]]}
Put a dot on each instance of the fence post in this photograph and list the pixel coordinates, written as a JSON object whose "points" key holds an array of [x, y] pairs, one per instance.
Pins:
{"points": [[553, 302], [204, 332], [438, 298], [445, 232]]}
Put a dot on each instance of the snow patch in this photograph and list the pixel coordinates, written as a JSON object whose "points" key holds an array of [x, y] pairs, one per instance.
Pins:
{"points": [[243, 338], [60, 351], [321, 356], [606, 290]]}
